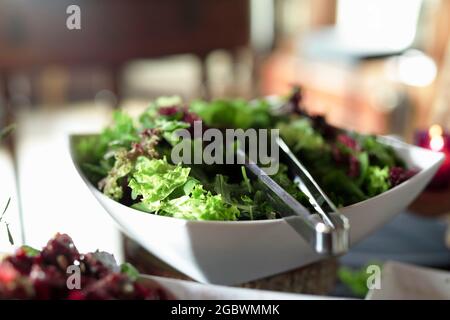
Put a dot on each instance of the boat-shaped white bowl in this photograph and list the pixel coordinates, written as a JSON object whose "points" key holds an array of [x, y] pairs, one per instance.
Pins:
{"points": [[230, 253]]}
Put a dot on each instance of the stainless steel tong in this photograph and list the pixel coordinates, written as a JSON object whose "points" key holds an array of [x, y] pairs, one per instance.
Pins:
{"points": [[326, 230]]}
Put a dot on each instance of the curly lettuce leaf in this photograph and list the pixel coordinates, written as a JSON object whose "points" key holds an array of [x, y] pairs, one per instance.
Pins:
{"points": [[235, 113], [93, 152], [148, 117], [154, 180], [122, 167], [377, 180], [200, 205], [168, 190], [122, 133], [300, 135], [252, 203], [169, 129]]}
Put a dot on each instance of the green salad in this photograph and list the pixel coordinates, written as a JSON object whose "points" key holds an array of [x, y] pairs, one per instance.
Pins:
{"points": [[130, 161]]}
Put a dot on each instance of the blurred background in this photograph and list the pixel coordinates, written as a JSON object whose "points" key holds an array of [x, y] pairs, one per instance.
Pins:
{"points": [[376, 66]]}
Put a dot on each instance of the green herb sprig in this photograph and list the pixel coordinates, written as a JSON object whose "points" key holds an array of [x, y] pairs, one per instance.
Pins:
{"points": [[10, 237], [3, 134]]}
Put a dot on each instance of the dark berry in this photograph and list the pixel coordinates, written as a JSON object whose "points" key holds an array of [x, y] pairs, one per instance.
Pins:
{"points": [[60, 251], [93, 267], [21, 261], [14, 285], [398, 175], [49, 282], [169, 111]]}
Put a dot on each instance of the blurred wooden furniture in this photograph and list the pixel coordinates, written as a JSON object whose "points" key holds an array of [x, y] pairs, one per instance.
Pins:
{"points": [[432, 203], [344, 77], [358, 98], [440, 112], [34, 33], [438, 29]]}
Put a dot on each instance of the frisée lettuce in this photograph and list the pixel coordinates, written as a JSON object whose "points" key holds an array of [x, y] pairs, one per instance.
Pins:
{"points": [[168, 190]]}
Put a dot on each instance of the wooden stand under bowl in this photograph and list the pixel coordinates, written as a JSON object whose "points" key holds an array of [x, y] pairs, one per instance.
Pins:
{"points": [[318, 278]]}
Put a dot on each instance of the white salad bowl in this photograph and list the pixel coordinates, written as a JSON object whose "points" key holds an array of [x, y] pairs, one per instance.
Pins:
{"points": [[228, 253]]}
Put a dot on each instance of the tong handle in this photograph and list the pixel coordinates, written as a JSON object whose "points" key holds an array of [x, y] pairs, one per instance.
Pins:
{"points": [[323, 235], [337, 224]]}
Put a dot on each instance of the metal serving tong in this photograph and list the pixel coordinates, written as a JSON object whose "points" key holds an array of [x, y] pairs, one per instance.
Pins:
{"points": [[326, 230]]}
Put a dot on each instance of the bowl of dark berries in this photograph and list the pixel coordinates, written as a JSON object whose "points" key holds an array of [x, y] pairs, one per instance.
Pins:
{"points": [[60, 272]]}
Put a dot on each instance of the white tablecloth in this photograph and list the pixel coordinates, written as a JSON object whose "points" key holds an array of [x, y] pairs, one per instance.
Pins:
{"points": [[53, 196]]}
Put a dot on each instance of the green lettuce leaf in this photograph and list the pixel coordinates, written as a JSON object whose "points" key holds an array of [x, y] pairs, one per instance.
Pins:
{"points": [[201, 205], [30, 251], [300, 134], [154, 180], [148, 117], [377, 180], [380, 154], [94, 152], [122, 133], [169, 129], [168, 190], [122, 167], [129, 270], [356, 280], [235, 113]]}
